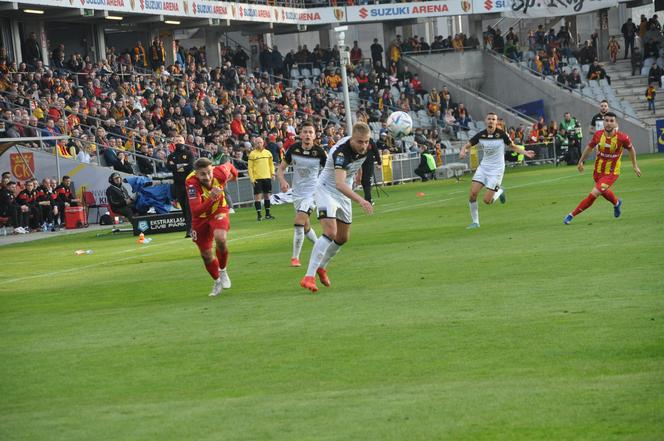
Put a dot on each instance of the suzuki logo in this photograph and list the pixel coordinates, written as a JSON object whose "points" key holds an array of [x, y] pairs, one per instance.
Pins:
{"points": [[488, 5], [193, 7], [364, 13]]}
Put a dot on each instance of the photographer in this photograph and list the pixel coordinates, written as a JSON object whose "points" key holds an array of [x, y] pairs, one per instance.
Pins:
{"points": [[574, 134], [118, 197], [426, 169]]}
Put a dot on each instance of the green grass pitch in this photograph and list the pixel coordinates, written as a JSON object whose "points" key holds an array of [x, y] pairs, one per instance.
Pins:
{"points": [[525, 329]]}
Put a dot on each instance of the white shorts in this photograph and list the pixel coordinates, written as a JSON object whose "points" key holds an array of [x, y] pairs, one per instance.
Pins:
{"points": [[306, 204], [490, 178], [333, 207]]}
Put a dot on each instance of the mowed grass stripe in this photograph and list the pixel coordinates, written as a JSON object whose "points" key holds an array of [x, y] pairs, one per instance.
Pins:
{"points": [[524, 329]]}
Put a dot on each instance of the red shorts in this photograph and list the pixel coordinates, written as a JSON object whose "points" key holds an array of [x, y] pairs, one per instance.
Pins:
{"points": [[202, 232], [604, 182]]}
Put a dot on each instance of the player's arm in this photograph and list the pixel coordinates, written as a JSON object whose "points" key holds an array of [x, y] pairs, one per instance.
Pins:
{"points": [[250, 167], [340, 181], [521, 150], [632, 156], [281, 175], [196, 203], [588, 150], [358, 177], [271, 165], [467, 146]]}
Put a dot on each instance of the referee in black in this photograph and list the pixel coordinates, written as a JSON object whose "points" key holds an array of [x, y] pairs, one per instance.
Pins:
{"points": [[181, 163], [373, 157]]}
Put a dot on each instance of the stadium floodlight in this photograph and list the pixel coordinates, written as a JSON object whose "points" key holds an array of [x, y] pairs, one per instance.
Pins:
{"points": [[344, 60], [33, 11], [113, 17], [172, 22]]}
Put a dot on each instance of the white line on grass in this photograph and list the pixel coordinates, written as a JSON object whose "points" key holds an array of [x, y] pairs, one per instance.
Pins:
{"points": [[416, 205], [64, 271], [107, 262]]}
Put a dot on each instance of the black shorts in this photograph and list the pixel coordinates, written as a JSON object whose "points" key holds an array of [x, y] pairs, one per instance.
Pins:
{"points": [[263, 186]]}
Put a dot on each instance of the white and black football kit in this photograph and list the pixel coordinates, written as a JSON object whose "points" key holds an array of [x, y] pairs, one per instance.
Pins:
{"points": [[307, 164], [330, 202], [492, 167]]}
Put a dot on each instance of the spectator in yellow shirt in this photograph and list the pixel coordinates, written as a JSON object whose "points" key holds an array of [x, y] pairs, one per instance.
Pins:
{"points": [[334, 81]]}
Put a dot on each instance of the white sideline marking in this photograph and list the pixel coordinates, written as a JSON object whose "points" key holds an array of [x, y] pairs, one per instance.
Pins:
{"points": [[93, 265], [391, 210], [69, 270]]}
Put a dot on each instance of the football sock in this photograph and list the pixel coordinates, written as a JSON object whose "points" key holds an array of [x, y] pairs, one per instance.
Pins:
{"points": [[222, 257], [497, 194], [585, 204], [317, 254], [610, 196], [266, 202], [213, 269], [257, 205], [331, 251], [311, 235], [298, 240], [474, 212]]}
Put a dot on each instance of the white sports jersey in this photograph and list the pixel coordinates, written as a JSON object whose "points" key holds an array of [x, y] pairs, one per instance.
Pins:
{"points": [[493, 145], [341, 157], [306, 167]]}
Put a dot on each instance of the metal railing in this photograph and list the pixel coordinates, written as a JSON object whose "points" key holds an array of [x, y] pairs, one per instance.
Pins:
{"points": [[577, 92], [440, 76]]}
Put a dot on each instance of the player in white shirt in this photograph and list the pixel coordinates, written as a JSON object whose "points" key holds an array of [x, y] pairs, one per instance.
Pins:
{"points": [[490, 172], [307, 160], [334, 193]]}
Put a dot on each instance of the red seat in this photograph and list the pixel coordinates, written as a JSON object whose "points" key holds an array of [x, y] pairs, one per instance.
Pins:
{"points": [[91, 202]]}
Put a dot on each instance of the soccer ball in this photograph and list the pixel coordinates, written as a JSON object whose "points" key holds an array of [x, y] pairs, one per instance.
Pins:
{"points": [[399, 124]]}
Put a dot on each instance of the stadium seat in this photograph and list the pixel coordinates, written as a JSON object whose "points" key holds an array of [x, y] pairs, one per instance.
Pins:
{"points": [[306, 73], [315, 72], [90, 202], [585, 68], [295, 73], [603, 82]]}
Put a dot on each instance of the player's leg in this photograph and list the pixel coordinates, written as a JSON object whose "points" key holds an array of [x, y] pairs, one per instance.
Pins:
{"points": [[494, 190], [267, 192], [322, 244], [475, 188], [301, 222], [583, 205], [309, 232], [327, 208], [220, 239], [344, 220], [203, 237], [602, 188], [343, 234], [258, 196]]}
